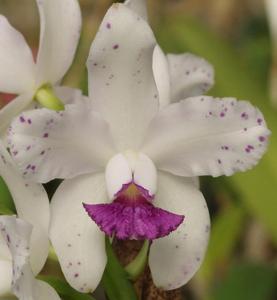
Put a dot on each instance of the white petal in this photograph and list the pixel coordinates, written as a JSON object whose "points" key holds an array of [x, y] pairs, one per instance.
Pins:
{"points": [[121, 81], [161, 73], [60, 23], [6, 277], [145, 173], [51, 144], [138, 6], [190, 76], [12, 109], [78, 242], [4, 250], [206, 136], [32, 205], [173, 260], [69, 95], [17, 233], [118, 172], [16, 61]]}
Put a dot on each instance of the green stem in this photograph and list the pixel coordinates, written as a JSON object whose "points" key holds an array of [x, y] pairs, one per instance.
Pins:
{"points": [[137, 266], [46, 97]]}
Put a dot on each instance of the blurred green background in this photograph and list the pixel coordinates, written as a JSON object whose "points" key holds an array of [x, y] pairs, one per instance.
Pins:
{"points": [[234, 36]]}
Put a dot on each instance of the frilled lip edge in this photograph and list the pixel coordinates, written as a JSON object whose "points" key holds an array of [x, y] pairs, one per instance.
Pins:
{"points": [[132, 216]]}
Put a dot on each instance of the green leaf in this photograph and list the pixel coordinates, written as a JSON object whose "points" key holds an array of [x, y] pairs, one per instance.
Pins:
{"points": [[247, 282], [64, 289], [257, 188], [115, 279], [6, 202], [136, 267]]}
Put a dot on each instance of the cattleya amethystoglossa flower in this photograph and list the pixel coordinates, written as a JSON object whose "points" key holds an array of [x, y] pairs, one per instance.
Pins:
{"points": [[132, 159], [20, 74], [17, 277]]}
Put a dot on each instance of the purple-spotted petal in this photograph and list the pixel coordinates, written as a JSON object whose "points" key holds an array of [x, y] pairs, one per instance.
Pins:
{"points": [[121, 81], [79, 244], [174, 259], [206, 136], [5, 268], [190, 76], [57, 43], [133, 219], [32, 205], [17, 234], [179, 76], [48, 144], [13, 109]]}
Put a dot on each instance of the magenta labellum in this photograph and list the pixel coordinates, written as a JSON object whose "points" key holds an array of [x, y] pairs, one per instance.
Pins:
{"points": [[133, 216]]}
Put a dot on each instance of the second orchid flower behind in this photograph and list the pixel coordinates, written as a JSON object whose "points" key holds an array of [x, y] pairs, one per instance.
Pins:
{"points": [[132, 159]]}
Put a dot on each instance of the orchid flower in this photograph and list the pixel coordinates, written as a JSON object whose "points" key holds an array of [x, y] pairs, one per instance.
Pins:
{"points": [[32, 205], [17, 277], [132, 162], [60, 23]]}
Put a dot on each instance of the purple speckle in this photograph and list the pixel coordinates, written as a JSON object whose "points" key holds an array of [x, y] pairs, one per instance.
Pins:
{"points": [[222, 114], [225, 148], [219, 161], [42, 152], [259, 121], [115, 46], [249, 148], [46, 135], [108, 25], [244, 116], [76, 275], [22, 119], [33, 168], [29, 121], [262, 138]]}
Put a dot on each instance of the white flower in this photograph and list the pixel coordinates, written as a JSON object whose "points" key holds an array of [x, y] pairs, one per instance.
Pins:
{"points": [[17, 278], [131, 161], [32, 205], [60, 23]]}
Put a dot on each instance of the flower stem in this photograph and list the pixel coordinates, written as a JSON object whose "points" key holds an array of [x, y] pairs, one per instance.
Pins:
{"points": [[137, 266], [46, 97]]}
